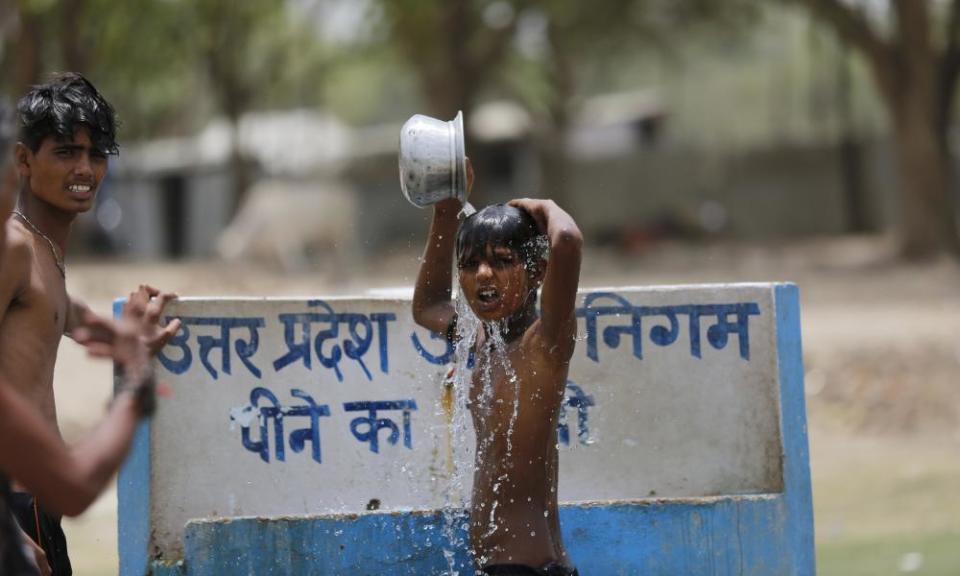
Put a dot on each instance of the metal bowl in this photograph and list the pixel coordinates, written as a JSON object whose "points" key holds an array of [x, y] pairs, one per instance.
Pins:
{"points": [[432, 160]]}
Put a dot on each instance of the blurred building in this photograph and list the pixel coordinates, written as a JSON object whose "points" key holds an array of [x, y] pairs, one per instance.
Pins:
{"points": [[628, 183]]}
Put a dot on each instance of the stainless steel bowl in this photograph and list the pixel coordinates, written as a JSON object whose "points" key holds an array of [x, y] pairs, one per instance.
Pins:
{"points": [[432, 160]]}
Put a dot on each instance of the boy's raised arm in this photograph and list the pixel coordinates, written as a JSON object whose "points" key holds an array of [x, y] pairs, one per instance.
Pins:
{"points": [[433, 307], [432, 304], [559, 294]]}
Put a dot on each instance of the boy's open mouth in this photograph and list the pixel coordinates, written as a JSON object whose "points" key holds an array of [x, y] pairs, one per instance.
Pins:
{"points": [[487, 294]]}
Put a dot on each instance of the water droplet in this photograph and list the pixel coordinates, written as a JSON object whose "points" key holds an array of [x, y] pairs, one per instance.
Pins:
{"points": [[532, 533]]}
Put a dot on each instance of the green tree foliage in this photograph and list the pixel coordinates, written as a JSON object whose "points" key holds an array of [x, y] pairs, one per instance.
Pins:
{"points": [[168, 65]]}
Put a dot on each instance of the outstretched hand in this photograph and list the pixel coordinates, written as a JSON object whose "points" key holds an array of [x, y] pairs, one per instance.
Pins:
{"points": [[120, 340], [145, 306]]}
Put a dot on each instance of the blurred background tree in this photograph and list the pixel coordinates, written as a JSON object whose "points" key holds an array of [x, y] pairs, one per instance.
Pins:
{"points": [[567, 41], [912, 48], [170, 66], [537, 51]]}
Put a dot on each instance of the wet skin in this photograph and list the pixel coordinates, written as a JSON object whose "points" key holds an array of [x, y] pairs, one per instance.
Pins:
{"points": [[515, 396], [494, 282], [514, 504]]}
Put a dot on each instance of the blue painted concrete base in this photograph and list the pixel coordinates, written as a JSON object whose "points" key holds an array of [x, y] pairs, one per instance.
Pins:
{"points": [[744, 535]]}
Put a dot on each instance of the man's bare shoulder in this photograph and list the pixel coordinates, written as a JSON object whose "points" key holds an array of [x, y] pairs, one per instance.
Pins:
{"points": [[17, 254]]}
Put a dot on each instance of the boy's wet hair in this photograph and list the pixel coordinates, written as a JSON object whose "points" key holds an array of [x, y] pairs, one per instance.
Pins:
{"points": [[501, 225], [58, 107]]}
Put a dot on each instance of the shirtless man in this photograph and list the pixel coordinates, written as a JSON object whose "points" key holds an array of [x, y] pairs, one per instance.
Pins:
{"points": [[514, 526], [67, 130]]}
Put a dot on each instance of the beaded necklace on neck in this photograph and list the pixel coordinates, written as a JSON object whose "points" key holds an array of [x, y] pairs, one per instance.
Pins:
{"points": [[57, 258]]}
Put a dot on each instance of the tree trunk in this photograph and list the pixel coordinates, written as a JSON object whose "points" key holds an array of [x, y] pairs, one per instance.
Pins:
{"points": [[927, 219], [239, 174], [918, 92], [73, 42], [553, 144], [28, 50], [553, 165]]}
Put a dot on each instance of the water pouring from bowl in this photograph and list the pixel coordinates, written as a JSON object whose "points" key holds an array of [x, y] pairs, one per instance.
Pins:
{"points": [[433, 162]]}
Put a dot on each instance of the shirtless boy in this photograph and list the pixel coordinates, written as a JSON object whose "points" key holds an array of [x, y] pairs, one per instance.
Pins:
{"points": [[514, 527], [67, 131]]}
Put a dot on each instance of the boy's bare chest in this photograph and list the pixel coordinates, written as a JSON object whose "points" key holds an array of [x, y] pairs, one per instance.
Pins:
{"points": [[502, 378]]}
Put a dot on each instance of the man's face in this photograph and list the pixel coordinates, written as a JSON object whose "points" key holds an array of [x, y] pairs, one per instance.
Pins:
{"points": [[64, 173], [495, 283]]}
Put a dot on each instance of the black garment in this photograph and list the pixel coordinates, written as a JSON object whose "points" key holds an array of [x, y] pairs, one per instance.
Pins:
{"points": [[52, 539], [12, 560], [551, 569]]}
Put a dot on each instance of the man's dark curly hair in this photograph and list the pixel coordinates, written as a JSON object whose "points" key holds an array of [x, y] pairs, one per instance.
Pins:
{"points": [[57, 107]]}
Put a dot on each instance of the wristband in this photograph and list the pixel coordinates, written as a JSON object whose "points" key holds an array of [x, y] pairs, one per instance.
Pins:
{"points": [[144, 391]]}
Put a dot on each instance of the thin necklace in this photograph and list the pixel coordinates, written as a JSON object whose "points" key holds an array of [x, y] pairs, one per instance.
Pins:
{"points": [[53, 247]]}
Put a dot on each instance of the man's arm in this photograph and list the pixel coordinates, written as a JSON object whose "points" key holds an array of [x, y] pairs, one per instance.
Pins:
{"points": [[432, 304], [65, 481], [76, 311], [558, 297], [30, 450]]}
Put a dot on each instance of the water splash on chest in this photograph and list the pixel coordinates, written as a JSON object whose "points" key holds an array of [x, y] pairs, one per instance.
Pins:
{"points": [[489, 359]]}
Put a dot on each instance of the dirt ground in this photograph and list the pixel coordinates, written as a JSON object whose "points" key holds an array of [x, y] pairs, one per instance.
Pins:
{"points": [[881, 351]]}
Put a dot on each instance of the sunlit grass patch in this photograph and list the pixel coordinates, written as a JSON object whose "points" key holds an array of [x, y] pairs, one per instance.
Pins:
{"points": [[936, 554]]}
